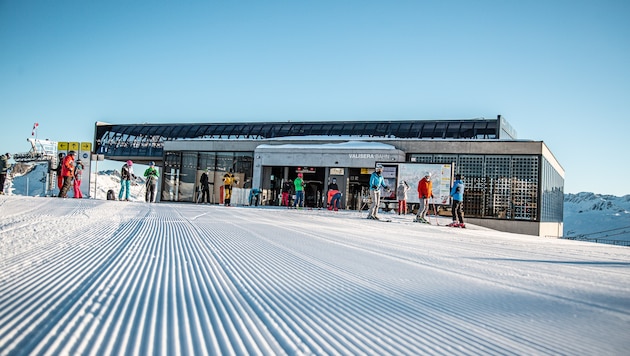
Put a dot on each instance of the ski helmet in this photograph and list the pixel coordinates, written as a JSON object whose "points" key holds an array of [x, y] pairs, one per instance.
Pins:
{"points": [[130, 163], [379, 167], [152, 163]]}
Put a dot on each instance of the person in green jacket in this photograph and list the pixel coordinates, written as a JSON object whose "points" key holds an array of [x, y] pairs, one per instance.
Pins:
{"points": [[151, 174], [298, 183]]}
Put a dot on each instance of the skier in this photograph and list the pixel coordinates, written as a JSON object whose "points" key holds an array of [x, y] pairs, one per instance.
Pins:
{"points": [[376, 182], [67, 172], [205, 187], [334, 202], [254, 196], [457, 192], [60, 158], [401, 195], [425, 192], [334, 195], [286, 192], [126, 173], [78, 176], [228, 182], [299, 191], [151, 174], [4, 168]]}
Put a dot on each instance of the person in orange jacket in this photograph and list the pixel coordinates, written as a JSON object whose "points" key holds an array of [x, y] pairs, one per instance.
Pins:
{"points": [[425, 192], [67, 172]]}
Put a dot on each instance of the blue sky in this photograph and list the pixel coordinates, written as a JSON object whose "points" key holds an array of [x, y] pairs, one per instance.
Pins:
{"points": [[557, 70]]}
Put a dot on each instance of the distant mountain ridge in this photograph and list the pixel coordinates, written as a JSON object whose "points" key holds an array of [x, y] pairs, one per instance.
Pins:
{"points": [[593, 201], [592, 216]]}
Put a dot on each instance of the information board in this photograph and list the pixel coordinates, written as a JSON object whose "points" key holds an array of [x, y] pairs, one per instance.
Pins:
{"points": [[412, 173]]}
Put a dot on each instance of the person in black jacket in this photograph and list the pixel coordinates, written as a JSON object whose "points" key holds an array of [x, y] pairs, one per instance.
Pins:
{"points": [[287, 186], [205, 187], [4, 168], [126, 174]]}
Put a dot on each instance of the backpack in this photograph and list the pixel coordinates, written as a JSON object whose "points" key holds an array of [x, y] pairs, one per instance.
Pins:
{"points": [[78, 172], [110, 195]]}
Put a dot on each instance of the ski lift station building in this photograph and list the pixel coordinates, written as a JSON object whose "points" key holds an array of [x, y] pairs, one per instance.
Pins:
{"points": [[511, 184]]}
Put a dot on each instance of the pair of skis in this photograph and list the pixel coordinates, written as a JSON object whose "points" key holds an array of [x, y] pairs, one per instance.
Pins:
{"points": [[379, 219], [434, 215]]}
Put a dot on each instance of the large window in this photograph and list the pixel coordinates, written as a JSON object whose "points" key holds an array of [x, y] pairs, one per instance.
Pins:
{"points": [[207, 160], [182, 172], [188, 176], [245, 164], [503, 186], [170, 176], [552, 186]]}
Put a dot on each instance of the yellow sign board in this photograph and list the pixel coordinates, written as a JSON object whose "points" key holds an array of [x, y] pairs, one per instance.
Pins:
{"points": [[74, 146]]}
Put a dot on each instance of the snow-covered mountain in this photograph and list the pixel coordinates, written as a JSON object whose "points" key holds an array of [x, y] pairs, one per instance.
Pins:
{"points": [[598, 217], [587, 216]]}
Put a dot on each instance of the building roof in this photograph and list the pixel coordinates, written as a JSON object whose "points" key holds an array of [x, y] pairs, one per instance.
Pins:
{"points": [[138, 141]]}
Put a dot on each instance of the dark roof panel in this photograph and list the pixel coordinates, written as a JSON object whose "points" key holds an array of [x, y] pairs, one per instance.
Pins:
{"points": [[119, 138]]}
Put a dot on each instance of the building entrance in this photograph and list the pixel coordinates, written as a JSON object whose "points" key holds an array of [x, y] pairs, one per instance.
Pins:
{"points": [[358, 188], [353, 183]]}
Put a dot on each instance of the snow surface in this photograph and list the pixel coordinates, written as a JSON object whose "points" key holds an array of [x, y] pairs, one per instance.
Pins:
{"points": [[85, 276]]}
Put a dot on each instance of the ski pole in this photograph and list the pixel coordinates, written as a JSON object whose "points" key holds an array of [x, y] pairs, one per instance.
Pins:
{"points": [[435, 214]]}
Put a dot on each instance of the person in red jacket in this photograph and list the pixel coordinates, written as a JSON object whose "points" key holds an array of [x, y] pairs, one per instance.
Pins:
{"points": [[67, 172], [425, 192], [60, 158], [78, 177]]}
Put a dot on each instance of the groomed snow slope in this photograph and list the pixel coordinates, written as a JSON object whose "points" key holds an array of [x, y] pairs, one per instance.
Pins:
{"points": [[106, 277]]}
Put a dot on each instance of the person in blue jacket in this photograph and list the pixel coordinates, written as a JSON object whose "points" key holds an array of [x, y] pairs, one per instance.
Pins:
{"points": [[254, 196], [376, 183], [457, 193]]}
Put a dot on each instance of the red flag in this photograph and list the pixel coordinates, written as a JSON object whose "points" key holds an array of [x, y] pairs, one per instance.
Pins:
{"points": [[34, 128]]}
